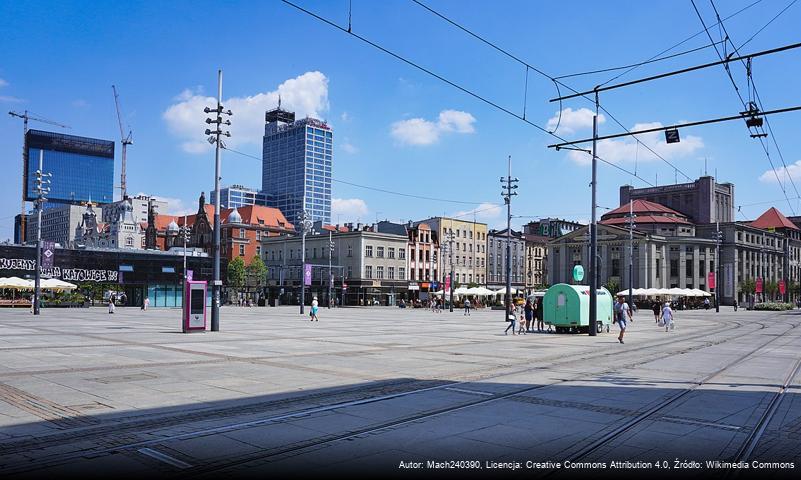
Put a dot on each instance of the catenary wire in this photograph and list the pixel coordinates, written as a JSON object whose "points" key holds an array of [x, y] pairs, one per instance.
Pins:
{"points": [[553, 79], [754, 88], [451, 83], [745, 107], [421, 197]]}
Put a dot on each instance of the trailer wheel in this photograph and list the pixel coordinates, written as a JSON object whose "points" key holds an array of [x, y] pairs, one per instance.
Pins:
{"points": [[599, 327]]}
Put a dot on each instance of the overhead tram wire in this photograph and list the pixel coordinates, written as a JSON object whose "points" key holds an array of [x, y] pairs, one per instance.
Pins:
{"points": [[753, 85], [555, 80], [409, 195], [678, 44], [740, 96], [453, 84]]}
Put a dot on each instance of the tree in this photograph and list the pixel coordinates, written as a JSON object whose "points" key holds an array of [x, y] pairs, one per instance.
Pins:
{"points": [[257, 270], [612, 286], [236, 273], [770, 289], [472, 285]]}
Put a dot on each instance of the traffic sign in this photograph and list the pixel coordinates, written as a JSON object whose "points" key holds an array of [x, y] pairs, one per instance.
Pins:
{"points": [[578, 273], [672, 136]]}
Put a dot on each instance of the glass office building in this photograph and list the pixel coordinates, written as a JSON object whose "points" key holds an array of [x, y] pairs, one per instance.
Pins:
{"points": [[236, 196], [296, 168], [82, 168]]}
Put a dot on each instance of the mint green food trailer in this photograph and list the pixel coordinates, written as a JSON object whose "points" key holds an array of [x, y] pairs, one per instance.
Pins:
{"points": [[567, 308]]}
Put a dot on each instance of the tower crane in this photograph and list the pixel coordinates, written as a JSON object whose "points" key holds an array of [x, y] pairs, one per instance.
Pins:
{"points": [[25, 116], [125, 140]]}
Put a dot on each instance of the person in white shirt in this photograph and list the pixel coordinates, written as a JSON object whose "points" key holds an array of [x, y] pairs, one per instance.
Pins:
{"points": [[622, 316], [667, 316]]}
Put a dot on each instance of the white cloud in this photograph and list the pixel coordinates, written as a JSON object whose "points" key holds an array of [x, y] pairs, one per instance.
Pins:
{"points": [[483, 213], [345, 117], [3, 83], [572, 120], [80, 103], [793, 172], [626, 151], [175, 206], [306, 94], [349, 147], [348, 209], [8, 99], [419, 131]]}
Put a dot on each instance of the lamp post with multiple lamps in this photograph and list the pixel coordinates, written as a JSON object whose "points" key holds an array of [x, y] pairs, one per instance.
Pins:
{"points": [[42, 189], [214, 138], [330, 273], [305, 225]]}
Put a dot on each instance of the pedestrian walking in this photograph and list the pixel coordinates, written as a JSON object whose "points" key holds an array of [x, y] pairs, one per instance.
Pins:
{"points": [[657, 308], [735, 305], [146, 304], [706, 304], [467, 307], [111, 306], [529, 312], [667, 317], [510, 317], [521, 318], [313, 311], [622, 316]]}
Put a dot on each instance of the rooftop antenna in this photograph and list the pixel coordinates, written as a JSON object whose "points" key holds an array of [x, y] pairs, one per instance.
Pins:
{"points": [[279, 101], [705, 174]]}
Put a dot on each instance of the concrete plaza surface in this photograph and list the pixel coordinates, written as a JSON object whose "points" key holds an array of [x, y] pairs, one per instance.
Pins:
{"points": [[402, 393]]}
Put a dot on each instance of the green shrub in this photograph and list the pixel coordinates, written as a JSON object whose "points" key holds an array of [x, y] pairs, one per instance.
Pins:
{"points": [[774, 306]]}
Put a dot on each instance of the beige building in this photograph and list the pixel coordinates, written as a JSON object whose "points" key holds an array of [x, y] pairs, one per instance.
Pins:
{"points": [[464, 244], [535, 261]]}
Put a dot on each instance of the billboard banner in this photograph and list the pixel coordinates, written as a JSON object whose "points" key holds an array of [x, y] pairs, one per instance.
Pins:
{"points": [[48, 253], [307, 274]]}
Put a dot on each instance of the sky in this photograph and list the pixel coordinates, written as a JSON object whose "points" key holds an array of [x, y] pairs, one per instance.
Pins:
{"points": [[397, 128]]}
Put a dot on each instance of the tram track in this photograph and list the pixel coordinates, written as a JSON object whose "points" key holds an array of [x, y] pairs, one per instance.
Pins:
{"points": [[123, 431], [749, 444]]}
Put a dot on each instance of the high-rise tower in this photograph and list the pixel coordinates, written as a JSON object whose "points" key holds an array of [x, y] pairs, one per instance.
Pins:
{"points": [[297, 159]]}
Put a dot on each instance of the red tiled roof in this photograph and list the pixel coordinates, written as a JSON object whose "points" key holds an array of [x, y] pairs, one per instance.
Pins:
{"points": [[643, 219], [643, 206], [773, 218]]}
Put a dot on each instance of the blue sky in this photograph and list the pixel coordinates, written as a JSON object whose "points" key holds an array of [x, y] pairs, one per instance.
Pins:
{"points": [[397, 128]]}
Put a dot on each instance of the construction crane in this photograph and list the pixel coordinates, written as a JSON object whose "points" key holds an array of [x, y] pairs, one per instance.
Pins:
{"points": [[25, 116], [125, 140]]}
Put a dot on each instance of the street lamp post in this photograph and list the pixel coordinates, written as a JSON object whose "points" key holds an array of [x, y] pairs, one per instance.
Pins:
{"points": [[509, 185], [42, 189], [214, 137], [304, 225], [330, 274], [631, 253]]}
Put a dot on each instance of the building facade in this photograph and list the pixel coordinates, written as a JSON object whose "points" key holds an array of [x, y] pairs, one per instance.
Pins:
{"points": [[464, 249], [551, 227], [297, 160], [702, 201], [82, 168], [58, 224], [496, 259], [367, 267], [236, 196], [536, 271]]}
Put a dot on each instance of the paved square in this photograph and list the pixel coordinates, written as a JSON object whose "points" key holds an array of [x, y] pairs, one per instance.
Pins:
{"points": [[366, 388]]}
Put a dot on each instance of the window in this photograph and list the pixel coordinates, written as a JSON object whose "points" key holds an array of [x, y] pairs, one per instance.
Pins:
{"points": [[391, 273], [658, 268], [128, 241], [368, 271], [368, 251], [241, 250], [379, 252], [241, 233], [401, 273], [350, 250], [390, 252], [615, 267], [315, 252], [401, 254], [258, 250], [412, 253], [350, 271], [379, 272]]}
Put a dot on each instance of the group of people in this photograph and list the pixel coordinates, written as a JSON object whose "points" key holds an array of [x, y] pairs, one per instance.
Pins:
{"points": [[530, 316], [663, 315]]}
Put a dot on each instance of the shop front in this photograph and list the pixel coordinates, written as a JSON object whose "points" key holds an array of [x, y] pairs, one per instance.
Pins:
{"points": [[132, 274]]}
